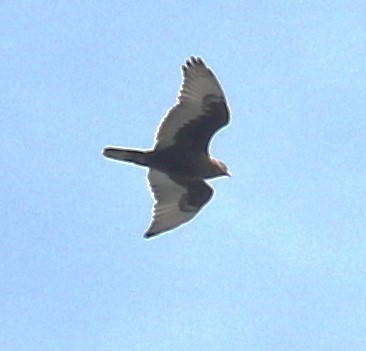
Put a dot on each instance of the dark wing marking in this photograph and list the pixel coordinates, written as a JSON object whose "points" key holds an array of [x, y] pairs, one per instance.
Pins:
{"points": [[201, 110], [177, 200]]}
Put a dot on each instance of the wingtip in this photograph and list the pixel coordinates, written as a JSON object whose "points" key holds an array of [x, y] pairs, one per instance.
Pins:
{"points": [[192, 61], [149, 235]]}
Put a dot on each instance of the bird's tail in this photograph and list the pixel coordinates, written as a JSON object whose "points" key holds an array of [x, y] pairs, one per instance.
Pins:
{"points": [[135, 156]]}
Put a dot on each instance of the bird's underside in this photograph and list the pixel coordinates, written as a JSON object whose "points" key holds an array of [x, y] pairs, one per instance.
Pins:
{"points": [[179, 163]]}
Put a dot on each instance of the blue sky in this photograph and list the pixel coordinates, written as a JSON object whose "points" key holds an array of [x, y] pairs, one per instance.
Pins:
{"points": [[276, 261]]}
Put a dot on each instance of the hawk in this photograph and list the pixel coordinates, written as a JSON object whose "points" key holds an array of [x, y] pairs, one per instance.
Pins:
{"points": [[180, 162]]}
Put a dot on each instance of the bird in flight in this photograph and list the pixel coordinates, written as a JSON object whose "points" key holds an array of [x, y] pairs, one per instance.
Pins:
{"points": [[180, 162]]}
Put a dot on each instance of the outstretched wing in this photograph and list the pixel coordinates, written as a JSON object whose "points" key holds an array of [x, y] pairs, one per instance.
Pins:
{"points": [[177, 201], [200, 112]]}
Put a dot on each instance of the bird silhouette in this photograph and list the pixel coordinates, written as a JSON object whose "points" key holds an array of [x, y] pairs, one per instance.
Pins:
{"points": [[180, 161]]}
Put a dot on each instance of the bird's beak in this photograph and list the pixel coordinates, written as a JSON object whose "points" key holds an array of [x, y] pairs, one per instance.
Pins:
{"points": [[228, 173]]}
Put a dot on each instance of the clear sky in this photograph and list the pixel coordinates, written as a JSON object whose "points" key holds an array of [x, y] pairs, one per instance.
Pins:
{"points": [[276, 261]]}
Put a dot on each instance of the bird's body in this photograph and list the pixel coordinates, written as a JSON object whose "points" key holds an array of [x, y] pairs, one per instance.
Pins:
{"points": [[179, 161], [188, 164]]}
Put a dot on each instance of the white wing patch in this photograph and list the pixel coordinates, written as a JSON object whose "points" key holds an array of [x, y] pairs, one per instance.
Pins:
{"points": [[198, 82], [169, 196]]}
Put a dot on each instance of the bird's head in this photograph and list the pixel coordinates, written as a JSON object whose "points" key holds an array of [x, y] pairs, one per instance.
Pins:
{"points": [[219, 168]]}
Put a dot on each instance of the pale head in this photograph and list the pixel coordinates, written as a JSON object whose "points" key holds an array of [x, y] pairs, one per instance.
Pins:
{"points": [[218, 169]]}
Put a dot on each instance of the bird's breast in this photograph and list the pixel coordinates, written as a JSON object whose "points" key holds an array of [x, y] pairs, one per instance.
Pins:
{"points": [[179, 163]]}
